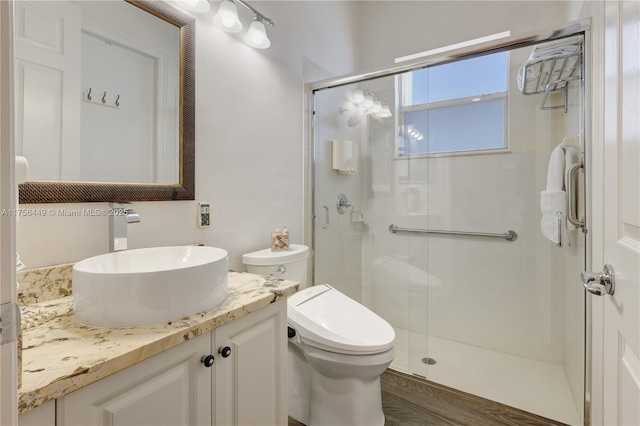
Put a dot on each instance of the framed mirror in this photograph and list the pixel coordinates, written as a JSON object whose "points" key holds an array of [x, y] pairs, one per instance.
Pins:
{"points": [[105, 113]]}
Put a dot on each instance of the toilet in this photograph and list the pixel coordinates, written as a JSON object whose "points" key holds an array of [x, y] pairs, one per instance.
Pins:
{"points": [[337, 347]]}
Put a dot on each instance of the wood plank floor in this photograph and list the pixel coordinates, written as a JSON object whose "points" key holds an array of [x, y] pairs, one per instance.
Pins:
{"points": [[411, 401]]}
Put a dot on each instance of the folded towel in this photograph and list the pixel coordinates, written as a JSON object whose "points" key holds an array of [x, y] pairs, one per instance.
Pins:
{"points": [[538, 75], [539, 70], [552, 202], [552, 52], [555, 172], [567, 41]]}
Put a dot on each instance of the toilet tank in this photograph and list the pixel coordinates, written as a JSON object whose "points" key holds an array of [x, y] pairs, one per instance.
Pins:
{"points": [[266, 262]]}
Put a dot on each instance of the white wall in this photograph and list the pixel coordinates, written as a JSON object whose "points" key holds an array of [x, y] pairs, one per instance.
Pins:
{"points": [[397, 28], [249, 141]]}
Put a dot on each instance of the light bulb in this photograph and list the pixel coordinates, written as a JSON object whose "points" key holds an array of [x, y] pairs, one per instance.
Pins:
{"points": [[376, 107], [227, 17], [356, 118], [257, 35], [227, 21], [385, 112], [368, 101], [200, 6], [358, 96]]}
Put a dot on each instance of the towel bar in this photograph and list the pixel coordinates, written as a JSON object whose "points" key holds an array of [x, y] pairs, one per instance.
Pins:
{"points": [[560, 242], [509, 235], [571, 187]]}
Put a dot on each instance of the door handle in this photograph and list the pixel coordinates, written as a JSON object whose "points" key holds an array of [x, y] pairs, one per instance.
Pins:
{"points": [[326, 217], [571, 187], [600, 283]]}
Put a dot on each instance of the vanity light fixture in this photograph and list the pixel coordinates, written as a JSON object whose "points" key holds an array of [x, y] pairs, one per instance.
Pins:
{"points": [[257, 35], [413, 133], [362, 103], [227, 17], [199, 6], [227, 20]]}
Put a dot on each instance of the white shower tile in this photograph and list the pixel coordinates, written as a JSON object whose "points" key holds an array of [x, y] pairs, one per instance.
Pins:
{"points": [[467, 164], [510, 181], [464, 182]]}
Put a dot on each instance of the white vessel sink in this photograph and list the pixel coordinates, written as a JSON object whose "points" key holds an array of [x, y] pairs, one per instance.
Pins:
{"points": [[144, 286]]}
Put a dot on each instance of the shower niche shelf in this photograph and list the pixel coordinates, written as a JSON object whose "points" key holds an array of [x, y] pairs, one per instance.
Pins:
{"points": [[551, 75]]}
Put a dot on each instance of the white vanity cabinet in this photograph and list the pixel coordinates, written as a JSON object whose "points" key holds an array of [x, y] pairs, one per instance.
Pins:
{"points": [[246, 385], [44, 415], [171, 388], [250, 384]]}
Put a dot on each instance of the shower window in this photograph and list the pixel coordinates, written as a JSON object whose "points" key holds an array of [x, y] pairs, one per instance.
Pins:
{"points": [[455, 107]]}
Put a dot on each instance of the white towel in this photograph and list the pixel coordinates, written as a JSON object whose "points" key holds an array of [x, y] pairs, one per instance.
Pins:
{"points": [[551, 71], [552, 203], [555, 173], [567, 41], [560, 69], [553, 199]]}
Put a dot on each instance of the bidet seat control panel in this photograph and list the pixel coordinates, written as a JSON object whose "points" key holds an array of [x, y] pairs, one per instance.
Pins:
{"points": [[204, 215]]}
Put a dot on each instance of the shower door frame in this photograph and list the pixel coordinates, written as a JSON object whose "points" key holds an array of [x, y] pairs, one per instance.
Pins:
{"points": [[522, 40]]}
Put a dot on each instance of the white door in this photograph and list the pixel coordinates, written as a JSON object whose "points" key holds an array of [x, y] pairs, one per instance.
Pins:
{"points": [[621, 214], [8, 378], [48, 91]]}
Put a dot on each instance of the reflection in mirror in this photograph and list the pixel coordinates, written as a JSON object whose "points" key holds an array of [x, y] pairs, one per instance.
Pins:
{"points": [[104, 100]]}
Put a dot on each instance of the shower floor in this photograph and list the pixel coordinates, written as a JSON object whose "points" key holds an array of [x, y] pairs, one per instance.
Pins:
{"points": [[534, 386]]}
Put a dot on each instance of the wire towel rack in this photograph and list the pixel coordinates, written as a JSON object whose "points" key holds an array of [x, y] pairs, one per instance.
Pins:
{"points": [[551, 75], [509, 235]]}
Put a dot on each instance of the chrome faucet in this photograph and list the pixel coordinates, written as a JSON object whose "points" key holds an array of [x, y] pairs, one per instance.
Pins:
{"points": [[120, 215]]}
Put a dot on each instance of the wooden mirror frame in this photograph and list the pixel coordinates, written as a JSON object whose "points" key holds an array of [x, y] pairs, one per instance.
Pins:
{"points": [[82, 192]]}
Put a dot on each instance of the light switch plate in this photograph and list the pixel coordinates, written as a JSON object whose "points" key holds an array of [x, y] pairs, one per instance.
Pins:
{"points": [[204, 215]]}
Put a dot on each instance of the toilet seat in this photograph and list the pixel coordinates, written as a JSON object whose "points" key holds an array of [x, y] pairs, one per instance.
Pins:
{"points": [[327, 319]]}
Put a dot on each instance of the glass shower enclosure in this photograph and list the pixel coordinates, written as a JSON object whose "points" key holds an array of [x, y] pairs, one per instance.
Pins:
{"points": [[441, 202]]}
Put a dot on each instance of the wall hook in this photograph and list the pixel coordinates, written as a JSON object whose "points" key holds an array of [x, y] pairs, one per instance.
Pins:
{"points": [[104, 97], [118, 101], [89, 94]]}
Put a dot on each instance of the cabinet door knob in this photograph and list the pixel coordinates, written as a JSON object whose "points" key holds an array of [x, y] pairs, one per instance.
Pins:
{"points": [[207, 360], [291, 332], [225, 352]]}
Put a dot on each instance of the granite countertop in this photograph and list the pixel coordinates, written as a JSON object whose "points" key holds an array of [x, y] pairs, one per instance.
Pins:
{"points": [[60, 355]]}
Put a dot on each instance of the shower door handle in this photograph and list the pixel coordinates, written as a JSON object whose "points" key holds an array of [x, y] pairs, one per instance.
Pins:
{"points": [[571, 187], [326, 217], [600, 283]]}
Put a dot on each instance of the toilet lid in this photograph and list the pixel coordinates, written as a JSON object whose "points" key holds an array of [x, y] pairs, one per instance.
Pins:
{"points": [[327, 319], [269, 257]]}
